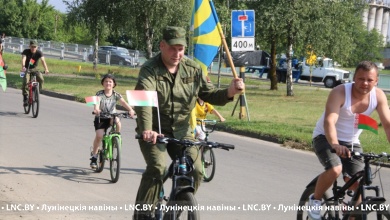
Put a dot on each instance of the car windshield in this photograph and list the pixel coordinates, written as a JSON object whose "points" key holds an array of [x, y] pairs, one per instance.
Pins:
{"points": [[117, 50], [328, 63]]}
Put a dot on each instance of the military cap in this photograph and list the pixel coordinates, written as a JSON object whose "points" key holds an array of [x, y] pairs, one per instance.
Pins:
{"points": [[34, 43], [175, 35]]}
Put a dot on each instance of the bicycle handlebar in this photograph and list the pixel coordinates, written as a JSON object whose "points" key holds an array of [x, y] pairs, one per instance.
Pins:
{"points": [[220, 145], [205, 122], [368, 156], [190, 143], [111, 115], [371, 156]]}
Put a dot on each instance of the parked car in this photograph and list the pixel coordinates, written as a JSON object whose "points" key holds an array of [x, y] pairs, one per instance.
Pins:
{"points": [[114, 55], [323, 72]]}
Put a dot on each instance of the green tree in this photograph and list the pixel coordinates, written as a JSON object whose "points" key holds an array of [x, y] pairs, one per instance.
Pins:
{"points": [[141, 20], [10, 19], [35, 22], [270, 31], [27, 18], [329, 27], [150, 17], [367, 45]]}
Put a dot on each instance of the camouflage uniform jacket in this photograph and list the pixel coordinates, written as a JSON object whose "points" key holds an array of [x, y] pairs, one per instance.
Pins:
{"points": [[176, 96]]}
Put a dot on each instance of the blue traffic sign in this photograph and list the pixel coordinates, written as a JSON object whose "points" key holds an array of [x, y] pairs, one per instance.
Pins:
{"points": [[243, 23]]}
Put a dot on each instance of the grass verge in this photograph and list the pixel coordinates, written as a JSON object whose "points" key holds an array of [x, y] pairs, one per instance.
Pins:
{"points": [[270, 114]]}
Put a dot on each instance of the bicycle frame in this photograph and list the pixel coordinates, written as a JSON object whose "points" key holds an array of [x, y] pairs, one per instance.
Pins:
{"points": [[176, 188], [182, 185], [31, 84], [177, 176], [205, 122], [364, 178], [339, 192], [107, 139]]}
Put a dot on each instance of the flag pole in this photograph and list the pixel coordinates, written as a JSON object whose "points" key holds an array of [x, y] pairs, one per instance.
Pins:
{"points": [[158, 115], [355, 123], [226, 48]]}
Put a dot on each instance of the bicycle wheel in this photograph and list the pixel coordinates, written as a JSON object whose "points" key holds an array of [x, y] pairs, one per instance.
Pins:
{"points": [[115, 164], [379, 215], [208, 164], [35, 101], [27, 107], [183, 207], [100, 160], [304, 205], [385, 214]]}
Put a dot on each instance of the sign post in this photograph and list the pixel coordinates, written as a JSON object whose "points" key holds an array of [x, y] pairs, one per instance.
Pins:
{"points": [[243, 39]]}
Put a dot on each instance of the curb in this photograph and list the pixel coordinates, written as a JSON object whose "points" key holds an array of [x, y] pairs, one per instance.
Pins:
{"points": [[59, 95]]}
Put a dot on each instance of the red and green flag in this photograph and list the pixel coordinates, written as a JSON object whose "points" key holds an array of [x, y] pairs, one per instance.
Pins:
{"points": [[92, 100], [32, 61], [142, 98], [366, 122]]}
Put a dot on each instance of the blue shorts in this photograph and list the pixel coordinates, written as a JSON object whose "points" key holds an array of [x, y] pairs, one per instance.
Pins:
{"points": [[328, 159]]}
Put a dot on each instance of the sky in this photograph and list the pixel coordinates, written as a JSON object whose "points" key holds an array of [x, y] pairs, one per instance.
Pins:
{"points": [[58, 5]]}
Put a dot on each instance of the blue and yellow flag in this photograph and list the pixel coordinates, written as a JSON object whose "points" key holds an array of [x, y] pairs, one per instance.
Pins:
{"points": [[206, 38]]}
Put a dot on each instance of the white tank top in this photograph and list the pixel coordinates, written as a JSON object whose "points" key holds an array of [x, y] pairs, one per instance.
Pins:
{"points": [[345, 123]]}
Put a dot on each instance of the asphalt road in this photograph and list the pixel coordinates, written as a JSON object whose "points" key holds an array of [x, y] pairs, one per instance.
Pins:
{"points": [[45, 174]]}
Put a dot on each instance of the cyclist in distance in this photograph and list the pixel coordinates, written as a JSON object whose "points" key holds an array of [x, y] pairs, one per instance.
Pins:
{"points": [[335, 129], [30, 58], [200, 112], [178, 81], [108, 99], [2, 41]]}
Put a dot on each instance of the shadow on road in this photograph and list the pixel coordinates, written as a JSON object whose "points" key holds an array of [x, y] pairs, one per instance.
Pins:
{"points": [[14, 114], [76, 174]]}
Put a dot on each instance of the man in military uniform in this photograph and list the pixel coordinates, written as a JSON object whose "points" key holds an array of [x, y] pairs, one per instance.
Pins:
{"points": [[178, 82]]}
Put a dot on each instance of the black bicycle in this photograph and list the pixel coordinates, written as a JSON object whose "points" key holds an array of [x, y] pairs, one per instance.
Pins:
{"points": [[181, 203], [371, 207], [209, 162], [111, 147]]}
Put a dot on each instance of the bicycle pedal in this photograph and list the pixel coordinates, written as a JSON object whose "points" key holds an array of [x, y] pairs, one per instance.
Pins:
{"points": [[166, 198]]}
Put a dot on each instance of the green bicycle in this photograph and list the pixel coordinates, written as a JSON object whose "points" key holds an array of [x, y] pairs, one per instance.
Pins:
{"points": [[111, 147]]}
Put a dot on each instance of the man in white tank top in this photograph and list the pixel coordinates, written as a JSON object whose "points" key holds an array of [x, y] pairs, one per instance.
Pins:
{"points": [[335, 129]]}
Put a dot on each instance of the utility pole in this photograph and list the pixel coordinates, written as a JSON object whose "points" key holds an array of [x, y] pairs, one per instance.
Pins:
{"points": [[56, 17]]}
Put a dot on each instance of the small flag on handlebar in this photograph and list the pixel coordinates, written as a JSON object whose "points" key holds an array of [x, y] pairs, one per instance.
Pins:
{"points": [[366, 122], [142, 98], [92, 100]]}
